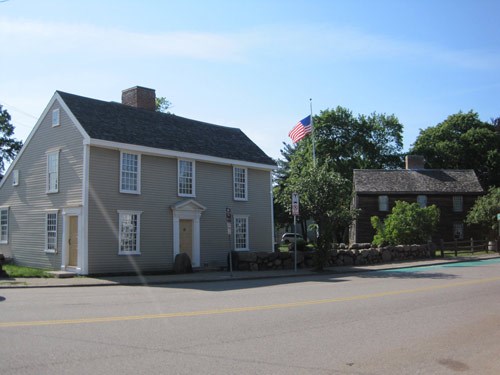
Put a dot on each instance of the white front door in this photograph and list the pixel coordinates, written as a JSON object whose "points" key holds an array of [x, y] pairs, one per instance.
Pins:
{"points": [[72, 258], [186, 229]]}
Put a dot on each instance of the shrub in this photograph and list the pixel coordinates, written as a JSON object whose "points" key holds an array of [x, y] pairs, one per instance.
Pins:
{"points": [[301, 245], [407, 224]]}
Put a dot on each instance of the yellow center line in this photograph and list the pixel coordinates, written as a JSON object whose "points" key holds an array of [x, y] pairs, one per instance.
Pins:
{"points": [[244, 309]]}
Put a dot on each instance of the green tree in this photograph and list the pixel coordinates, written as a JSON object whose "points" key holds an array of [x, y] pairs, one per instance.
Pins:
{"points": [[484, 212], [343, 142], [407, 224], [162, 104], [9, 147], [363, 142], [462, 141], [324, 197]]}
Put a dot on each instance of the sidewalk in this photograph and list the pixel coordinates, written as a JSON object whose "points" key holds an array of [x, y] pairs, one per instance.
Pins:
{"points": [[206, 276]]}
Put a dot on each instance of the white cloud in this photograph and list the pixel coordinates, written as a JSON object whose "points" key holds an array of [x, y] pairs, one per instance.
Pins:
{"points": [[40, 37], [278, 42]]}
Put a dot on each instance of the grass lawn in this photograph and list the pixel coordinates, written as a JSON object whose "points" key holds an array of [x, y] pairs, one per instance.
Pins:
{"points": [[17, 271]]}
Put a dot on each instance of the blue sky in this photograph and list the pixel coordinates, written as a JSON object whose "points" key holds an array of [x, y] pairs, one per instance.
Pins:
{"points": [[255, 64]]}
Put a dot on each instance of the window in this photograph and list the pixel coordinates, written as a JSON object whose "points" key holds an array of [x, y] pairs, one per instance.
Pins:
{"points": [[51, 234], [422, 201], [458, 231], [240, 183], [458, 203], [53, 172], [15, 177], [129, 232], [241, 232], [383, 203], [4, 225], [55, 117], [130, 173], [186, 178]]}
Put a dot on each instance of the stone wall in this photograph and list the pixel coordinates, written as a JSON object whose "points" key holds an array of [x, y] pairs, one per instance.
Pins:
{"points": [[356, 254]]}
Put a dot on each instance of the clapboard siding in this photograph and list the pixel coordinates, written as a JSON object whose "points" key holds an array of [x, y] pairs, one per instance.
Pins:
{"points": [[158, 195], [29, 200]]}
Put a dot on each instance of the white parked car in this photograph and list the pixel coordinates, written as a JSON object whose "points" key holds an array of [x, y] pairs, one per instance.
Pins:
{"points": [[290, 237]]}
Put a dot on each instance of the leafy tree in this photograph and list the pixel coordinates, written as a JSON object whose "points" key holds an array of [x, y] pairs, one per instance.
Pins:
{"points": [[343, 142], [162, 104], [362, 142], [463, 141], [324, 197], [484, 212], [9, 147], [407, 224]]}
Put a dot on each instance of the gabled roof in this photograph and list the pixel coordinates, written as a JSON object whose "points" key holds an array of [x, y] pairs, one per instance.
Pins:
{"points": [[435, 181], [115, 122]]}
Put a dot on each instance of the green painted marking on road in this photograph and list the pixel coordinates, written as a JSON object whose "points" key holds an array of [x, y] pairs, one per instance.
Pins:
{"points": [[475, 263], [184, 314]]}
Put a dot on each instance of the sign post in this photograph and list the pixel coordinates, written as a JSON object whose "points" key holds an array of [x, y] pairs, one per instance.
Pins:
{"points": [[295, 213], [229, 216]]}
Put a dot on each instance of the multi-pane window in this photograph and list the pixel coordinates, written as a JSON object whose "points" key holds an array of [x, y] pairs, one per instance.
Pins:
{"points": [[240, 183], [55, 117], [458, 231], [383, 203], [422, 201], [241, 232], [15, 177], [4, 225], [458, 203], [51, 234], [129, 232], [130, 173], [186, 178], [53, 172]]}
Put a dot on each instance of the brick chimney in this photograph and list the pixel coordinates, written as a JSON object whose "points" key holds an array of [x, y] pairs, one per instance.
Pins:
{"points": [[414, 162], [140, 97]]}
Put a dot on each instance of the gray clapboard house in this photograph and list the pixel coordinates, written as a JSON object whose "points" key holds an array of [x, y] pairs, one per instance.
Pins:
{"points": [[105, 187]]}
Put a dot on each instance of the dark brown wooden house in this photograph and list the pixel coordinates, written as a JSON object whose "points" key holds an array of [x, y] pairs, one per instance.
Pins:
{"points": [[453, 191]]}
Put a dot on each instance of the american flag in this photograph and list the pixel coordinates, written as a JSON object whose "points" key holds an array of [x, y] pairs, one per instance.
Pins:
{"points": [[300, 130]]}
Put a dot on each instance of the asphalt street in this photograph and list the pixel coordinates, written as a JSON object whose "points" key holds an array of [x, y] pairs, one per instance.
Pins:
{"points": [[443, 319]]}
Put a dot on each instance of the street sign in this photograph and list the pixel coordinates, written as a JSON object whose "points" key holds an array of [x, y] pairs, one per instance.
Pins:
{"points": [[229, 220], [295, 204], [498, 217]]}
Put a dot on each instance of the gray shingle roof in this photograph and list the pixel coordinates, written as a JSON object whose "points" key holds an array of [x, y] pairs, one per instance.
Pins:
{"points": [[436, 181], [116, 122]]}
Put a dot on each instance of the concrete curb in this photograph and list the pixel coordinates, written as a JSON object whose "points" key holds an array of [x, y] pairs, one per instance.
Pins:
{"points": [[151, 280]]}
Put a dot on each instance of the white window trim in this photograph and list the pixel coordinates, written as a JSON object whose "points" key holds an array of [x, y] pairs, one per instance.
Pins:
{"points": [[193, 182], [126, 191], [48, 189], [234, 184], [47, 213], [386, 209], [56, 117], [138, 234], [6, 240], [460, 232], [15, 177], [246, 217], [456, 197]]}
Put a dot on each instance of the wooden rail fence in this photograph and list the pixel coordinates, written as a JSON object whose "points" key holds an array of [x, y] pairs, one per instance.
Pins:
{"points": [[467, 246]]}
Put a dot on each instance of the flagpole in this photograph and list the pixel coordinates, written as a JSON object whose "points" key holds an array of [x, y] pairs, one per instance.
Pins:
{"points": [[313, 141]]}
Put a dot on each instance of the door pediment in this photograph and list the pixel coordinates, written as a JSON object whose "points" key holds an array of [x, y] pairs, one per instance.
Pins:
{"points": [[188, 205]]}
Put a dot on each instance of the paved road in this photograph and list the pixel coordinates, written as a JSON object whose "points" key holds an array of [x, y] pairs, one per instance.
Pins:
{"points": [[434, 320]]}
